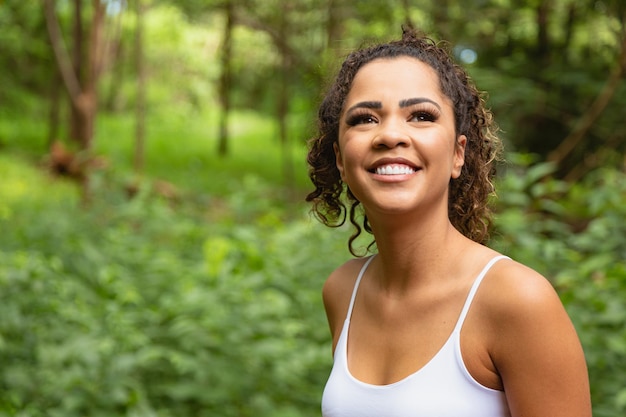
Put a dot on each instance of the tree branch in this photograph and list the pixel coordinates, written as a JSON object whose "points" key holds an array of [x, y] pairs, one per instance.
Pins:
{"points": [[96, 42], [596, 108]]}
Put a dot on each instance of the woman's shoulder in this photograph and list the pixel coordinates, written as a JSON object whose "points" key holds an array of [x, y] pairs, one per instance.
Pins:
{"points": [[522, 309], [341, 281], [338, 289], [345, 275], [512, 288]]}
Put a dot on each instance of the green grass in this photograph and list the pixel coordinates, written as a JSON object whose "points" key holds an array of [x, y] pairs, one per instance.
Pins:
{"points": [[25, 134], [23, 182], [183, 150], [180, 148]]}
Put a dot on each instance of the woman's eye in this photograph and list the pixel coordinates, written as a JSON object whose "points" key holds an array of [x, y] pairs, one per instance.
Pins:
{"points": [[423, 116], [360, 119]]}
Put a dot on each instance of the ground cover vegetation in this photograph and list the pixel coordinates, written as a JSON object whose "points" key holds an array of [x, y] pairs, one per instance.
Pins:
{"points": [[188, 282]]}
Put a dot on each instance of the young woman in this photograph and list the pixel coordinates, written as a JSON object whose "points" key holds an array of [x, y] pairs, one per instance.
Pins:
{"points": [[435, 323]]}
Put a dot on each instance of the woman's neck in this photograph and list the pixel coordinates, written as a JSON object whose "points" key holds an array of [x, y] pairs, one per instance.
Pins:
{"points": [[416, 253]]}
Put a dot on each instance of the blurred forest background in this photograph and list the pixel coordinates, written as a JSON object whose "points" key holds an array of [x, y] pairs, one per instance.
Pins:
{"points": [[156, 258]]}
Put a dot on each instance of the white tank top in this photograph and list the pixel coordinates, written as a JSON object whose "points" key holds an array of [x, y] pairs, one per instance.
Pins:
{"points": [[441, 388]]}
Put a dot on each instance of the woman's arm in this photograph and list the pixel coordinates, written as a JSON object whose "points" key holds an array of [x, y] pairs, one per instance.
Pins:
{"points": [[535, 347]]}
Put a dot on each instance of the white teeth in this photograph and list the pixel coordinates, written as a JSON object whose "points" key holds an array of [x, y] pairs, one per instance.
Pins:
{"points": [[394, 170]]}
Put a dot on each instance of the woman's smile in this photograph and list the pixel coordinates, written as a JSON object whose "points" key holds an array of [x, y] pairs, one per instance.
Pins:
{"points": [[394, 169]]}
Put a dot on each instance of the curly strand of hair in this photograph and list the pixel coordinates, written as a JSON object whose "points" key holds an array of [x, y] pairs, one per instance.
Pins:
{"points": [[355, 222], [361, 226]]}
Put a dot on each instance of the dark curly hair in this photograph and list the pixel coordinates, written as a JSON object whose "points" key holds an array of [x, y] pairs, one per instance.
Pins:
{"points": [[468, 208]]}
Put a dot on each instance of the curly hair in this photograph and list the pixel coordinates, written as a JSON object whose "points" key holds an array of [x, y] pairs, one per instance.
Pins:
{"points": [[468, 208]]}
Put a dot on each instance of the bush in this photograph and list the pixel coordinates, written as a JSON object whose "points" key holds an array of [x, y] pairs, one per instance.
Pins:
{"points": [[136, 310]]}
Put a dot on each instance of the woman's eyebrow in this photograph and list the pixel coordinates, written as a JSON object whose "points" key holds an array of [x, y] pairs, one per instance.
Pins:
{"points": [[412, 101], [367, 105]]}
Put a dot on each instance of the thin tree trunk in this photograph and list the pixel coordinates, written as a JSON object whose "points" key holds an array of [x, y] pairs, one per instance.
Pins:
{"points": [[116, 65], [225, 80], [543, 39], [60, 52], [54, 114], [90, 109], [282, 113], [334, 25], [282, 106], [570, 23], [138, 162], [77, 117]]}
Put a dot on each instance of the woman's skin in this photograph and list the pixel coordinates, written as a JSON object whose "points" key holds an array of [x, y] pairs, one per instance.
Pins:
{"points": [[397, 151]]}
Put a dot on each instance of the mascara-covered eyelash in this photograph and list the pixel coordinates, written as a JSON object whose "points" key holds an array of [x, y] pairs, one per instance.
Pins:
{"points": [[423, 115], [357, 119]]}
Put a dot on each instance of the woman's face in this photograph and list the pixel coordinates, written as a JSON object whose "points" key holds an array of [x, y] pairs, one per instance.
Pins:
{"points": [[397, 147]]}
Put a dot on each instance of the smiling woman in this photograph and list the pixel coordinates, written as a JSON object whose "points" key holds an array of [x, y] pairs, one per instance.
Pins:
{"points": [[435, 323]]}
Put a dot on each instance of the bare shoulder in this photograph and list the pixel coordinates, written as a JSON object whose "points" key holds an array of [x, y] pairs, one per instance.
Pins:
{"points": [[514, 291], [533, 344], [337, 292], [521, 303]]}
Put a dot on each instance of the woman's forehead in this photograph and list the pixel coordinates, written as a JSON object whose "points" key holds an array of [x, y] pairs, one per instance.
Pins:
{"points": [[397, 78]]}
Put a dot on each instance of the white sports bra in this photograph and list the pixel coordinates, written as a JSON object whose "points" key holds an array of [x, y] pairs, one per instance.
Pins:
{"points": [[442, 388]]}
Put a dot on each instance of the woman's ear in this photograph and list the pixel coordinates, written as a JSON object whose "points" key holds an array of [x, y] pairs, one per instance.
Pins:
{"points": [[459, 156], [338, 159]]}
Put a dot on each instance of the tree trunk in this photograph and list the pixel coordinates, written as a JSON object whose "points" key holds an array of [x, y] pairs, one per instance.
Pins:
{"points": [[77, 117], [282, 105], [90, 109], [225, 79], [543, 38], [116, 65], [80, 79], [140, 114], [570, 24], [334, 25], [54, 113]]}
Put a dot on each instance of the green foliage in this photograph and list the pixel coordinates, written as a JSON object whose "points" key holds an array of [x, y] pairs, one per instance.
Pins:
{"points": [[26, 59], [138, 310]]}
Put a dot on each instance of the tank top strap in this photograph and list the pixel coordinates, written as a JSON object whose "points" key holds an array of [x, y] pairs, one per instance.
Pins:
{"points": [[474, 289], [356, 285]]}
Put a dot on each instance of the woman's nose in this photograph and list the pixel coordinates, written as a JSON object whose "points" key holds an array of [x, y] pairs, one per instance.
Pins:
{"points": [[391, 134]]}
